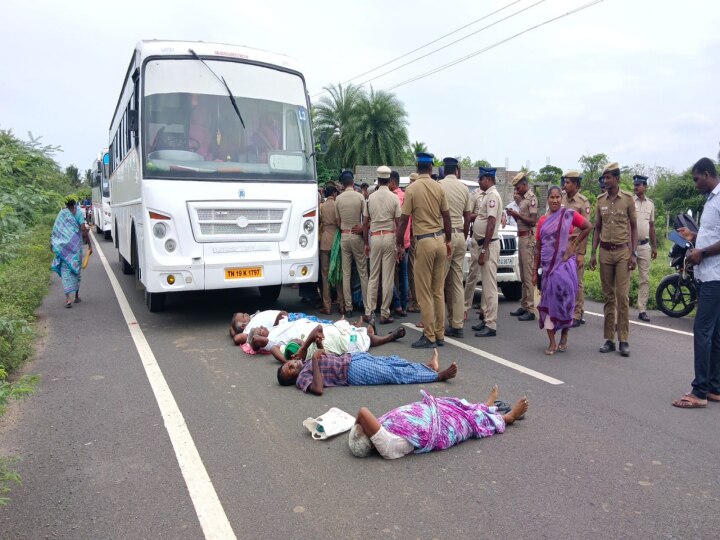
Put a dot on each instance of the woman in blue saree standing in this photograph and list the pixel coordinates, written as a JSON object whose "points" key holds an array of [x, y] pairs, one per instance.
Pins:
{"points": [[66, 241], [555, 254]]}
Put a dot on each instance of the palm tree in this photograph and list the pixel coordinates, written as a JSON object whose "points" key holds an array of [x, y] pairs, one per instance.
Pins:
{"points": [[379, 130], [418, 147], [333, 117]]}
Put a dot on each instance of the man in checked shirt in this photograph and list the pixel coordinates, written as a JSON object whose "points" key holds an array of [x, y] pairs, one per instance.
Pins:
{"points": [[324, 370]]}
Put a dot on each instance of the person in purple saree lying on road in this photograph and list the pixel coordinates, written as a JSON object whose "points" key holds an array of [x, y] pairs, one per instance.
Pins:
{"points": [[555, 254], [431, 424]]}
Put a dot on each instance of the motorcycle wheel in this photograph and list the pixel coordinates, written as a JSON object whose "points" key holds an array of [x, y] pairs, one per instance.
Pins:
{"points": [[676, 297]]}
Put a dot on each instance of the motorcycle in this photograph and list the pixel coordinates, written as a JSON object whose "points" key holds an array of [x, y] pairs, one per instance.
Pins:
{"points": [[676, 295]]}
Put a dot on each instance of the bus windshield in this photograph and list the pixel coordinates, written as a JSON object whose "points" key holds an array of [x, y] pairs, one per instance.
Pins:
{"points": [[191, 131]]}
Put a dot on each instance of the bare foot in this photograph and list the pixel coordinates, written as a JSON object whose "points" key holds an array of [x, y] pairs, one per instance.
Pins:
{"points": [[398, 333], [518, 410], [492, 397], [448, 373], [434, 364]]}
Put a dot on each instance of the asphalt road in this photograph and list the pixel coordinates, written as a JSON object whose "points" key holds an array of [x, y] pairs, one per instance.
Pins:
{"points": [[602, 455]]}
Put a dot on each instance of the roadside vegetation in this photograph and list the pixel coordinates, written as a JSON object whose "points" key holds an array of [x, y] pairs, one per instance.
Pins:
{"points": [[32, 190]]}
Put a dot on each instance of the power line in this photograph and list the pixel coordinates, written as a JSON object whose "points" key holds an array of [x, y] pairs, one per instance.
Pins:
{"points": [[496, 44], [452, 42], [426, 44]]}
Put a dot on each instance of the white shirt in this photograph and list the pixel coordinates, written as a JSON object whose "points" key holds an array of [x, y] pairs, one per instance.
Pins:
{"points": [[709, 234], [262, 318], [287, 331], [391, 446]]}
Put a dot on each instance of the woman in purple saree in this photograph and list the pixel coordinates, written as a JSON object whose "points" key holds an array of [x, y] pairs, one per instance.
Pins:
{"points": [[555, 254], [434, 423]]}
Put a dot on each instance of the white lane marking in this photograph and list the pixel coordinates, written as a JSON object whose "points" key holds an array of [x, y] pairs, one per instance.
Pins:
{"points": [[213, 520], [507, 363], [681, 332]]}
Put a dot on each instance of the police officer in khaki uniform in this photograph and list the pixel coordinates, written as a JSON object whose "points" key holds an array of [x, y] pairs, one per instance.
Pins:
{"points": [[572, 198], [380, 225], [485, 232], [526, 219], [616, 234], [458, 198], [474, 268], [647, 244], [350, 209], [425, 201]]}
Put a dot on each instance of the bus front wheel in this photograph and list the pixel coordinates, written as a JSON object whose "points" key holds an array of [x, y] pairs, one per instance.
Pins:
{"points": [[269, 293], [155, 301], [126, 267]]}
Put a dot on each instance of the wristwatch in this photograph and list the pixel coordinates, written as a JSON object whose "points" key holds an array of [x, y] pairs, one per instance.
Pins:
{"points": [[634, 253], [482, 251]]}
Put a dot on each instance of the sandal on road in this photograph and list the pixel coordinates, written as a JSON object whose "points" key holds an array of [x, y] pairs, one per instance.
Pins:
{"points": [[713, 397], [550, 351], [562, 347], [689, 401]]}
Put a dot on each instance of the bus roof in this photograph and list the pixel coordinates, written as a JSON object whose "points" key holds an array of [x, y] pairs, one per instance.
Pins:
{"points": [[154, 47]]}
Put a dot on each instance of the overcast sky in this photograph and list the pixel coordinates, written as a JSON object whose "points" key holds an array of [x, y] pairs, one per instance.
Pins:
{"points": [[636, 79]]}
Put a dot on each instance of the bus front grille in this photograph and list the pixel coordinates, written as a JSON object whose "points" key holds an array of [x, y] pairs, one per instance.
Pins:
{"points": [[239, 221]]}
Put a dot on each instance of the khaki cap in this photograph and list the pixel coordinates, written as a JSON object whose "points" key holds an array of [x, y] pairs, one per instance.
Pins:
{"points": [[612, 167], [413, 176], [519, 177], [572, 174], [383, 171]]}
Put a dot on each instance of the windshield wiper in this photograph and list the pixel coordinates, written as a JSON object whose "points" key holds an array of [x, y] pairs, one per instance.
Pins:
{"points": [[222, 80]]}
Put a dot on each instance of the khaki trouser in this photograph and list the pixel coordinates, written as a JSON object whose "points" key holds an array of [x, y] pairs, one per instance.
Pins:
{"points": [[454, 292], [526, 253], [473, 276], [580, 297], [488, 272], [643, 263], [430, 261], [353, 248], [615, 280], [324, 270], [383, 257], [412, 302]]}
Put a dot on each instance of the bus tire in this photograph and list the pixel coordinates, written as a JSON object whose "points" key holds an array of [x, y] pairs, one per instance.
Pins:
{"points": [[269, 293], [155, 302], [126, 267], [135, 260]]}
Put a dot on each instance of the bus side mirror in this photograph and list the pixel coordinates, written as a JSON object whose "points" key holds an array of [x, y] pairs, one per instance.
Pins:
{"points": [[133, 121]]}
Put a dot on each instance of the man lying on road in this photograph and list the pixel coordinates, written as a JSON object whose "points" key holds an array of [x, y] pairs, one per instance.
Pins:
{"points": [[336, 338], [430, 424], [357, 369], [242, 324]]}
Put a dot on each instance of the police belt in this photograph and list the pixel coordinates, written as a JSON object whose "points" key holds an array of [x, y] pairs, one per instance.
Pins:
{"points": [[524, 233], [613, 247], [481, 240], [643, 242], [429, 235], [456, 230], [380, 233]]}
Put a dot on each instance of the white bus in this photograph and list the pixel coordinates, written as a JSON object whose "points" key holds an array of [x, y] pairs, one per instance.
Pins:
{"points": [[213, 176], [101, 211]]}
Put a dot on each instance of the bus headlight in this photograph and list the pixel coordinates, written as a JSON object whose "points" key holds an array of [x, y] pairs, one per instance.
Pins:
{"points": [[170, 245], [159, 230], [309, 226], [303, 241]]}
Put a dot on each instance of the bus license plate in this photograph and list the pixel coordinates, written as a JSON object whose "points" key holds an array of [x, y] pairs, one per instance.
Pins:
{"points": [[505, 261], [243, 273]]}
